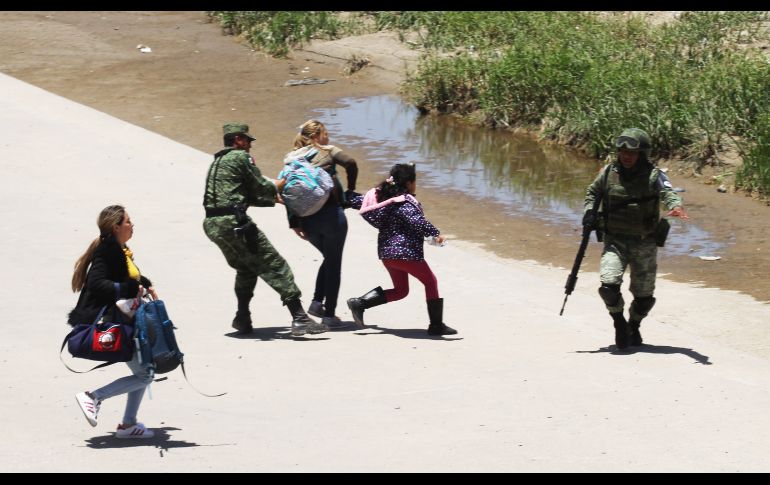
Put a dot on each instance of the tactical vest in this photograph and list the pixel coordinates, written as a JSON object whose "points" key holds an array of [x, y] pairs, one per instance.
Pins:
{"points": [[631, 205]]}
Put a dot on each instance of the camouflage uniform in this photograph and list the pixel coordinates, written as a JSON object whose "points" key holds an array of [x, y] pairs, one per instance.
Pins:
{"points": [[234, 180], [628, 217]]}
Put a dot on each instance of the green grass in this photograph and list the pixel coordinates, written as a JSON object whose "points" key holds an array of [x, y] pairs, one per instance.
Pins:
{"points": [[581, 79], [576, 77], [277, 32], [754, 175]]}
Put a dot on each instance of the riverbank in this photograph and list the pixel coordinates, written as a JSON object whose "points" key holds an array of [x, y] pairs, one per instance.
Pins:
{"points": [[195, 76], [518, 389]]}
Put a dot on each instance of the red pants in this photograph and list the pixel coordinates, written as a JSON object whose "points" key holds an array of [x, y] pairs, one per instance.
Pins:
{"points": [[400, 270]]}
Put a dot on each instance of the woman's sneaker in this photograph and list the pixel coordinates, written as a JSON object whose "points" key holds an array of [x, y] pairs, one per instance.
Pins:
{"points": [[316, 309], [89, 406], [138, 430], [334, 322]]}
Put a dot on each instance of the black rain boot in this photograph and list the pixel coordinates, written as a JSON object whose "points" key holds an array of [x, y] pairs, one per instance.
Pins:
{"points": [[242, 320], [358, 305], [300, 322], [621, 330], [436, 315]]}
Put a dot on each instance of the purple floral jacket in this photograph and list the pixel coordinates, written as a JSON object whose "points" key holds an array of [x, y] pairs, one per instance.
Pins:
{"points": [[402, 226]]}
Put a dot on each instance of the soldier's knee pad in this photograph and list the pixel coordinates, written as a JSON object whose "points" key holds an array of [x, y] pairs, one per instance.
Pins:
{"points": [[610, 294], [643, 305]]}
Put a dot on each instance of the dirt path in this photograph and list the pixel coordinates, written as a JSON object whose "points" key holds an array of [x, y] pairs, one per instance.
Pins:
{"points": [[195, 79]]}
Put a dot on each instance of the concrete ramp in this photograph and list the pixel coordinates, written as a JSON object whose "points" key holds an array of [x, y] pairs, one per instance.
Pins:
{"points": [[518, 389]]}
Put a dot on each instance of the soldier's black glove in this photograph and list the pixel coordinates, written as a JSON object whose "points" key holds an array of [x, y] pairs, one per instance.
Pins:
{"points": [[589, 220]]}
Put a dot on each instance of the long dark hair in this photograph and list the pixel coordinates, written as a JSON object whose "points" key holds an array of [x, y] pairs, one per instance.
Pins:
{"points": [[395, 185]]}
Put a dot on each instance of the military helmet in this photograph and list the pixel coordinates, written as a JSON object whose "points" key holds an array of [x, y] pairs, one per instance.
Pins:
{"points": [[634, 139]]}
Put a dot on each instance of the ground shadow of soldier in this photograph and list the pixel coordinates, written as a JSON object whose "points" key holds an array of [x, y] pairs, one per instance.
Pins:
{"points": [[651, 349], [274, 333], [161, 440], [413, 333]]}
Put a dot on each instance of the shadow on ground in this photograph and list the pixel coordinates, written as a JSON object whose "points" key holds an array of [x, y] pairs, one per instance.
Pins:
{"points": [[161, 440], [651, 349], [413, 333], [284, 333], [275, 333]]}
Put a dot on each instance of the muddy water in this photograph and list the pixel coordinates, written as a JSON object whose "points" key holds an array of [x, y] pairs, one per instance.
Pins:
{"points": [[523, 199], [519, 175], [519, 211]]}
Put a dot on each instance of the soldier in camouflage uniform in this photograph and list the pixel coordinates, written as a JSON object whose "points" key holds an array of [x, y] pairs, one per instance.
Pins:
{"points": [[630, 191], [233, 184]]}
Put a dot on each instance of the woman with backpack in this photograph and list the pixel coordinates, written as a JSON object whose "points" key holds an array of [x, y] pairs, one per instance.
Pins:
{"points": [[326, 229], [392, 208], [104, 274]]}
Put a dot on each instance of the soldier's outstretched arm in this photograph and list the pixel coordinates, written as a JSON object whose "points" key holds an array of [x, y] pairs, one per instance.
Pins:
{"points": [[671, 199], [261, 190], [679, 212]]}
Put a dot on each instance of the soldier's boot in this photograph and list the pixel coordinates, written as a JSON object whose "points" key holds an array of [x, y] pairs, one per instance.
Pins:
{"points": [[639, 309], [370, 299], [436, 315], [613, 300], [621, 330], [242, 320], [301, 323], [635, 339]]}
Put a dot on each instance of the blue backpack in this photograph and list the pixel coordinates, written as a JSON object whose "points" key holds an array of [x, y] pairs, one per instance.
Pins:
{"points": [[307, 186], [154, 334]]}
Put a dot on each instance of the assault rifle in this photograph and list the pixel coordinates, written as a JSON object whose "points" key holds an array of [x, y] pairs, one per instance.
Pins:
{"points": [[589, 224], [572, 278]]}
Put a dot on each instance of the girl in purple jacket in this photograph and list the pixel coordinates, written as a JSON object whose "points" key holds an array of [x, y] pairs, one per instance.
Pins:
{"points": [[392, 208]]}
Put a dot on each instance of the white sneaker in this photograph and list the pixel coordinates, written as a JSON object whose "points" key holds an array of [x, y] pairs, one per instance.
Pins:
{"points": [[138, 430], [89, 406]]}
